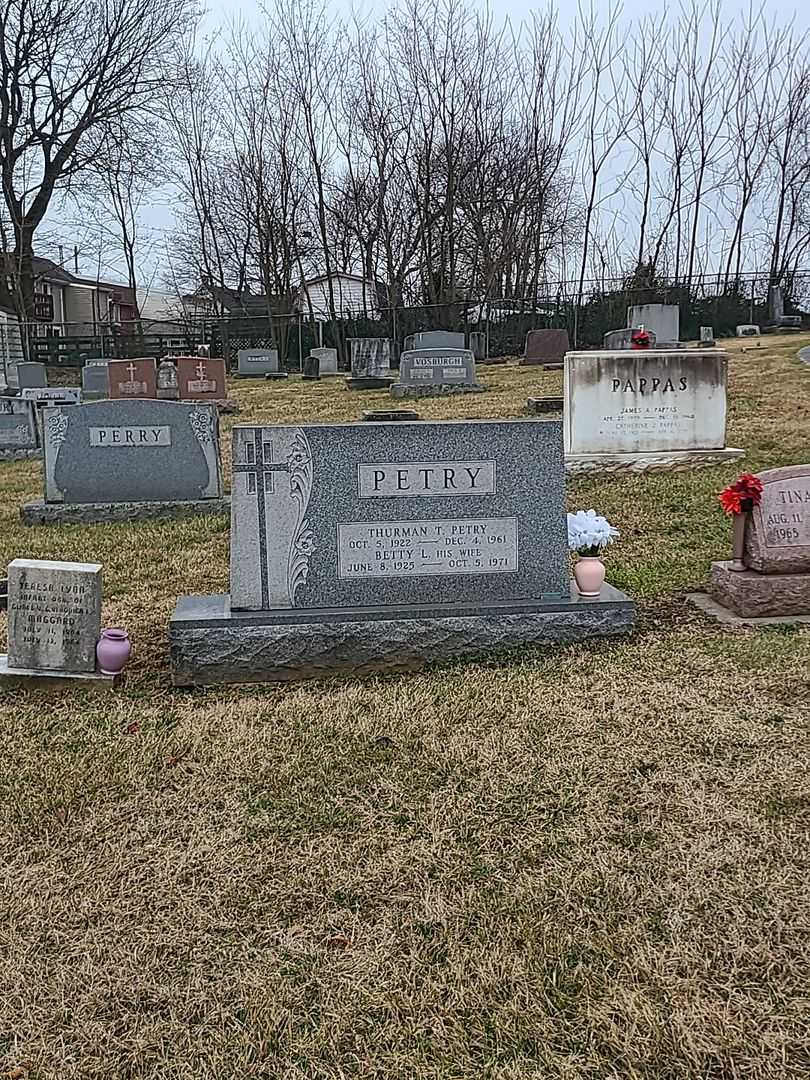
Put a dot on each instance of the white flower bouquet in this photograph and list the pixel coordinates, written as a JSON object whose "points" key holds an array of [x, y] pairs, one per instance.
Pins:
{"points": [[589, 534]]}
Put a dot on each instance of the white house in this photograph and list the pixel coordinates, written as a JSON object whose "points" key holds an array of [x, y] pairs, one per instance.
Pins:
{"points": [[353, 295]]}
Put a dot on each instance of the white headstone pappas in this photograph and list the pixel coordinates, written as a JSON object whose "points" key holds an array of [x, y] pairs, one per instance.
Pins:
{"points": [[645, 401], [54, 615]]}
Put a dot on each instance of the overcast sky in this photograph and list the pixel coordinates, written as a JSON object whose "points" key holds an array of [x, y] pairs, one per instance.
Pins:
{"points": [[98, 251]]}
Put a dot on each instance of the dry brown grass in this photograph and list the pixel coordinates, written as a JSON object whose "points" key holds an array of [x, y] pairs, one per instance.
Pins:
{"points": [[579, 863]]}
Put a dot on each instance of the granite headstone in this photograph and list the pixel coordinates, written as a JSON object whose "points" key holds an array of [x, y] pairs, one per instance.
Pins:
{"points": [[131, 451], [546, 347], [777, 539], [747, 330], [371, 363], [433, 372], [311, 368], [132, 378], [30, 375], [438, 339], [18, 427], [201, 378], [259, 363], [328, 359], [94, 381], [53, 395], [663, 319], [54, 615]]}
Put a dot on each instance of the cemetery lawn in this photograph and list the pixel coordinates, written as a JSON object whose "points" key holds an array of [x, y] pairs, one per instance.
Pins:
{"points": [[587, 862]]}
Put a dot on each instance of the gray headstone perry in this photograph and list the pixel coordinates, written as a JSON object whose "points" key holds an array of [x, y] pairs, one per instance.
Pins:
{"points": [[439, 339], [54, 615], [94, 381], [138, 450], [18, 428], [351, 515], [257, 362]]}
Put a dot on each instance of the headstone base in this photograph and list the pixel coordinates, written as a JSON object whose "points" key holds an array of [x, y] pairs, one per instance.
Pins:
{"points": [[725, 616], [537, 405], [368, 383], [750, 594], [311, 378], [379, 415], [399, 390], [276, 375], [32, 454], [210, 644], [33, 679], [661, 461], [42, 513], [493, 361]]}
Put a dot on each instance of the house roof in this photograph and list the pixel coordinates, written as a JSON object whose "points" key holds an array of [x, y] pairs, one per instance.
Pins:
{"points": [[47, 268], [340, 274]]}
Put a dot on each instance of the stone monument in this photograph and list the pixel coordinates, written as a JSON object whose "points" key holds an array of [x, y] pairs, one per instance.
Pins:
{"points": [[776, 581], [94, 381], [328, 360], [438, 339], [645, 410], [54, 622], [29, 376], [128, 460], [18, 430], [624, 339], [168, 386], [259, 363], [546, 348], [367, 547], [436, 372], [371, 364], [311, 368], [132, 378], [201, 378], [663, 319]]}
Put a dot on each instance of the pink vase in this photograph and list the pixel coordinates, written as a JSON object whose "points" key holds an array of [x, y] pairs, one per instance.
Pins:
{"points": [[112, 651], [589, 574], [738, 541]]}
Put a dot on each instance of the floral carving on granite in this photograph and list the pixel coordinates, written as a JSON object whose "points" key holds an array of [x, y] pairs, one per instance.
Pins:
{"points": [[56, 428], [299, 464]]}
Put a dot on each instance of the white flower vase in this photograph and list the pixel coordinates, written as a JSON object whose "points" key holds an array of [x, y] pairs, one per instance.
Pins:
{"points": [[589, 574]]}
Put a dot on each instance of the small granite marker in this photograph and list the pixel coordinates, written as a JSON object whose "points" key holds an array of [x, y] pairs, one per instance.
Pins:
{"points": [[381, 547], [328, 360], [30, 376], [434, 372], [94, 381], [54, 621], [311, 368], [127, 460], [640, 410], [18, 429]]}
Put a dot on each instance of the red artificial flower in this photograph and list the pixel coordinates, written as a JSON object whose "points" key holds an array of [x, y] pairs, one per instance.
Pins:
{"points": [[743, 495], [640, 340]]}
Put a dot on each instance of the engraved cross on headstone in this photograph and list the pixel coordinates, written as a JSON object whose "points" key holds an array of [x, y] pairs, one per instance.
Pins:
{"points": [[259, 469]]}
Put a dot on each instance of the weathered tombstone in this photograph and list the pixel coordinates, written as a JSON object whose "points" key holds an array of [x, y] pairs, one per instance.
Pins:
{"points": [[478, 345], [359, 548], [94, 381], [748, 330], [407, 344], [776, 583], [371, 364], [663, 319], [328, 359], [132, 379], [259, 363], [707, 337], [18, 429], [545, 347], [54, 621], [201, 378], [92, 361], [30, 376], [168, 385], [388, 415], [128, 460], [639, 410], [536, 406], [311, 368], [438, 339], [436, 372]]}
